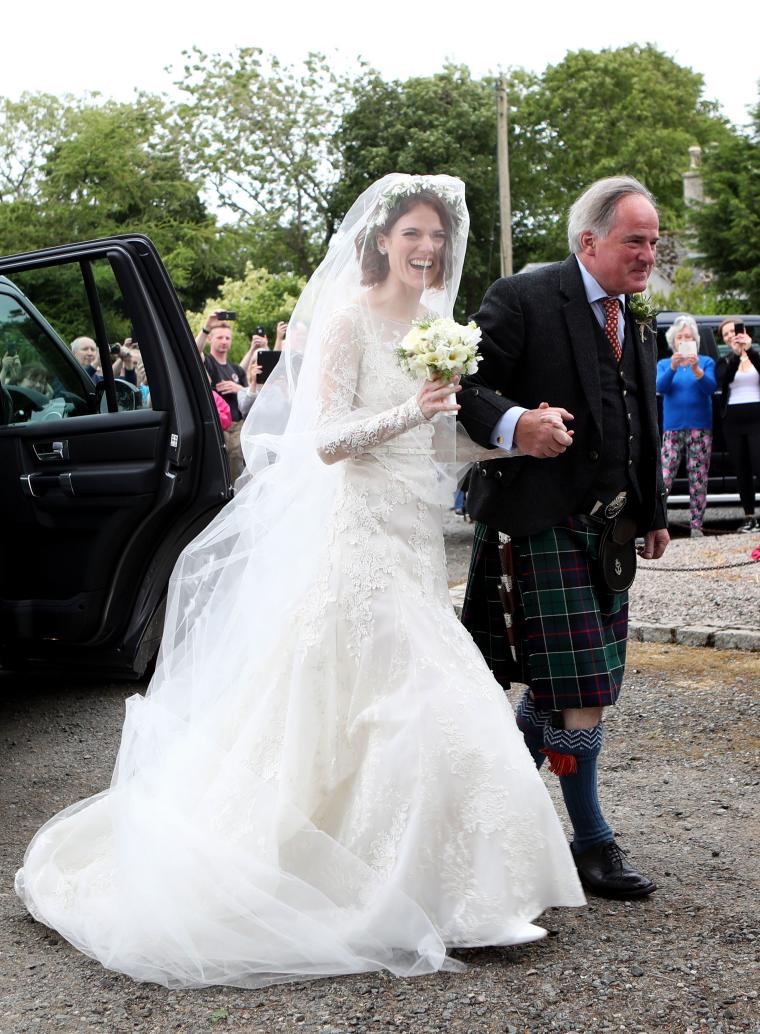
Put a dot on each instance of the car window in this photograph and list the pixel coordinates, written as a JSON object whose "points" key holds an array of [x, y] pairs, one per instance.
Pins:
{"points": [[56, 335], [37, 380]]}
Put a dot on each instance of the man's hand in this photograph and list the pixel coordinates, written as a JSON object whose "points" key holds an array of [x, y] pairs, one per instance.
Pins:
{"points": [[655, 544], [542, 432], [227, 387]]}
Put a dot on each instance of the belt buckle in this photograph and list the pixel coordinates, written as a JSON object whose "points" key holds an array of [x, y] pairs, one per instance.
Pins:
{"points": [[615, 506]]}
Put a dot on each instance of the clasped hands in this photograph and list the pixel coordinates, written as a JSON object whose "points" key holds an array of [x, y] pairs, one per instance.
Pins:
{"points": [[542, 432]]}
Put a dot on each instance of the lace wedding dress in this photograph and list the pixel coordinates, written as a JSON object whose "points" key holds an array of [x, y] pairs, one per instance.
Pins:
{"points": [[355, 795]]}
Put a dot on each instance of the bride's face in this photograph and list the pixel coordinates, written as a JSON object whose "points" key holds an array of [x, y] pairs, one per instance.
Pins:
{"points": [[414, 246]]}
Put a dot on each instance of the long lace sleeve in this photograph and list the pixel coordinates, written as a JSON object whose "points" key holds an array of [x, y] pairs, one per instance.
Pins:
{"points": [[340, 435]]}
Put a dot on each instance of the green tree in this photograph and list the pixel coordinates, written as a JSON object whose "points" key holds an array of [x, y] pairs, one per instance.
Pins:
{"points": [[691, 293], [728, 225], [29, 127], [445, 123], [262, 133], [106, 168], [632, 110]]}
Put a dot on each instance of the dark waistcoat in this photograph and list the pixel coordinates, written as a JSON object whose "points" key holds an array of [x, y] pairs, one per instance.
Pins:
{"points": [[621, 419]]}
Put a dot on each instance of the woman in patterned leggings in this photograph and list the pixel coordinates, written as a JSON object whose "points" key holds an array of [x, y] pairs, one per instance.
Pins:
{"points": [[686, 382]]}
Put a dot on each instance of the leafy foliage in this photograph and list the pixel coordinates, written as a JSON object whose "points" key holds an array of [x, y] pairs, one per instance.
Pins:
{"points": [[105, 169], [262, 133], [630, 111], [693, 294], [728, 225], [443, 123]]}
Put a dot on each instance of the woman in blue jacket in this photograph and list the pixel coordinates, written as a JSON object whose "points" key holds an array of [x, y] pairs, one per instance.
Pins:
{"points": [[686, 382]]}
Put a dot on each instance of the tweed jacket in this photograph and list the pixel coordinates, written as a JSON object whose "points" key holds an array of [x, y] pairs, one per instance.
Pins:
{"points": [[539, 345]]}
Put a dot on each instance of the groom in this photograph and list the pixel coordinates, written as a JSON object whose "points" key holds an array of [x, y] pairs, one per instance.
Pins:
{"points": [[564, 335]]}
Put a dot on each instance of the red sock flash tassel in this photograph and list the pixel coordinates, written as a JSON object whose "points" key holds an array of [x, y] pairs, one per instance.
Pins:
{"points": [[561, 764]]}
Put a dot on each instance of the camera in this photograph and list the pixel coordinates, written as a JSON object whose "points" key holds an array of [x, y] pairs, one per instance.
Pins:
{"points": [[225, 315], [261, 331], [114, 349]]}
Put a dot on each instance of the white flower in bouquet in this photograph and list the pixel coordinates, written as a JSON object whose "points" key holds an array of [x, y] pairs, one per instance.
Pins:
{"points": [[440, 348]]}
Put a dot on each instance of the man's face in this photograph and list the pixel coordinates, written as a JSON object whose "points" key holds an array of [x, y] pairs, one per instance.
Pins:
{"points": [[220, 340], [86, 353], [622, 261]]}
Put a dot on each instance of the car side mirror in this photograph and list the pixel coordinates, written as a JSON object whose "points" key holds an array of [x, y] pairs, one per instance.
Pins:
{"points": [[128, 396]]}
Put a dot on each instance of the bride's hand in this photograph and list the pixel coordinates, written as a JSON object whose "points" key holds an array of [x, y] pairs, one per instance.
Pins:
{"points": [[435, 396]]}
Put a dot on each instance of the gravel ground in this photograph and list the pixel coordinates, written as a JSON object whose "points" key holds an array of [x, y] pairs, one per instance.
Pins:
{"points": [[680, 785]]}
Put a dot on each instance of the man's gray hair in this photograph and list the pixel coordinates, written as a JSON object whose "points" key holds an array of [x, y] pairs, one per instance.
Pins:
{"points": [[77, 343], [594, 210], [682, 322]]}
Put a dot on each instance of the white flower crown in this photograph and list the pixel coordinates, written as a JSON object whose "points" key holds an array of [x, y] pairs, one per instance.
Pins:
{"points": [[414, 185]]}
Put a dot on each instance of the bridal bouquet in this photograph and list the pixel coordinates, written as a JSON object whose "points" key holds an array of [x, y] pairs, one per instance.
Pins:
{"points": [[440, 348]]}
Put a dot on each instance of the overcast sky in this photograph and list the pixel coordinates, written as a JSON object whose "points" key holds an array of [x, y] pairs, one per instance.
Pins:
{"points": [[81, 45]]}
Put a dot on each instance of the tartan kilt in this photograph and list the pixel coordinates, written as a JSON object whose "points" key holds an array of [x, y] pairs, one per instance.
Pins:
{"points": [[572, 631]]}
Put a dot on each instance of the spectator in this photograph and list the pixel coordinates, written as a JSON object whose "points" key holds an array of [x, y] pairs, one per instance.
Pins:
{"points": [[125, 366], [86, 354], [687, 382], [223, 410], [228, 380], [739, 381], [35, 376]]}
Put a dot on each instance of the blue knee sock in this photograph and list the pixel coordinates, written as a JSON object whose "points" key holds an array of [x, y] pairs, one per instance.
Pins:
{"points": [[531, 722], [579, 787]]}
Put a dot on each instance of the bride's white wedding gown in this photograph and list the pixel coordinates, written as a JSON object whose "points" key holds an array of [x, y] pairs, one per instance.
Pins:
{"points": [[353, 794]]}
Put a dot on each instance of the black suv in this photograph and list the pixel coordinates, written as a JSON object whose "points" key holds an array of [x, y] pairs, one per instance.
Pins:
{"points": [[722, 485], [102, 484]]}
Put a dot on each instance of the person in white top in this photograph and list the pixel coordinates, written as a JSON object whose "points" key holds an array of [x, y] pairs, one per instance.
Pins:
{"points": [[739, 381]]}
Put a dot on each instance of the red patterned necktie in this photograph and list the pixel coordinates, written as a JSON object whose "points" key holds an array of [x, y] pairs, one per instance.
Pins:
{"points": [[611, 310]]}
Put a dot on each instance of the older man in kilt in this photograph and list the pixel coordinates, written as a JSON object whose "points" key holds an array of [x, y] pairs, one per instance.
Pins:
{"points": [[568, 381]]}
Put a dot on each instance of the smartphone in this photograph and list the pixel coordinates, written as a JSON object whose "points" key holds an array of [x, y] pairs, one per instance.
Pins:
{"points": [[739, 328], [687, 348], [261, 331], [223, 314], [267, 361]]}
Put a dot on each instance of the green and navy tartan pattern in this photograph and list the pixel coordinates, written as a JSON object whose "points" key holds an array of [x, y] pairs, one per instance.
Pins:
{"points": [[573, 631]]}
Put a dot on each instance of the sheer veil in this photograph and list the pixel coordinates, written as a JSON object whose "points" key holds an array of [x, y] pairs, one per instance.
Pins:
{"points": [[259, 554]]}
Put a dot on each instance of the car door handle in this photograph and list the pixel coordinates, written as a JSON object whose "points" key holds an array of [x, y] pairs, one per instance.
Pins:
{"points": [[37, 485], [47, 452]]}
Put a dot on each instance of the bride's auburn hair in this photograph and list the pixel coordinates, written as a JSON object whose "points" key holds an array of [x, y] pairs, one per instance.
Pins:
{"points": [[374, 264]]}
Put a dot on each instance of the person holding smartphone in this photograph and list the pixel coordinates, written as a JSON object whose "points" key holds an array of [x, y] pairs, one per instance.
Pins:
{"points": [[229, 380], [686, 382], [739, 380]]}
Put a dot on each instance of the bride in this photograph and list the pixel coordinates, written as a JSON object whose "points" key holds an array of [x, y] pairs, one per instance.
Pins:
{"points": [[323, 777]]}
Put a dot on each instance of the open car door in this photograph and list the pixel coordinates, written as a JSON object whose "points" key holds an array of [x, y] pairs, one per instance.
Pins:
{"points": [[103, 479]]}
